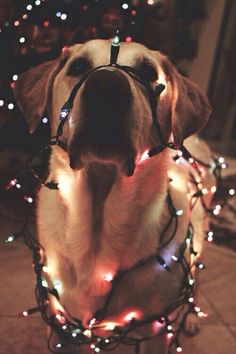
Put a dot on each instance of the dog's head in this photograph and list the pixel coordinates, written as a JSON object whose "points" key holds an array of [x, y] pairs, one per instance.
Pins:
{"points": [[111, 119]]}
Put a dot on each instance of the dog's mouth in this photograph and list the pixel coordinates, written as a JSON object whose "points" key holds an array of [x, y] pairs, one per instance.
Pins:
{"points": [[123, 162]]}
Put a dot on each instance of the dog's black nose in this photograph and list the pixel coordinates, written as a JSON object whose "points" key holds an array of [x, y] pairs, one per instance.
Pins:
{"points": [[105, 99]]}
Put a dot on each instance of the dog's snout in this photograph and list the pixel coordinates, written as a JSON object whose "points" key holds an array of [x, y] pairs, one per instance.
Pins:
{"points": [[105, 99], [107, 88], [105, 106]]}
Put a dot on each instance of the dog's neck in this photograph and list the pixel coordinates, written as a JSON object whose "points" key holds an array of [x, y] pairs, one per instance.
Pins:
{"points": [[112, 209], [100, 180]]}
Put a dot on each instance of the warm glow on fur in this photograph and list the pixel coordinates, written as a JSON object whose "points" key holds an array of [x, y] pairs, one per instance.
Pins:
{"points": [[156, 327], [46, 269], [143, 157], [109, 326], [177, 182], [108, 277], [87, 333], [132, 315], [56, 306], [162, 80], [65, 184], [60, 318]]}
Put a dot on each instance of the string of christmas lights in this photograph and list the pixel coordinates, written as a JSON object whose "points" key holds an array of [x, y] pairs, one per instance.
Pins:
{"points": [[71, 330]]}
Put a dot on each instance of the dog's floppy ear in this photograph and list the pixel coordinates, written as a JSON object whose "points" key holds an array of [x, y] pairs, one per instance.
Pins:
{"points": [[33, 89], [190, 108]]}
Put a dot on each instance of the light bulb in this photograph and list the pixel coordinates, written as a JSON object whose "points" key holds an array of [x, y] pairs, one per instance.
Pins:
{"points": [[221, 160], [179, 212], [108, 277], [22, 39], [213, 189], [45, 120], [10, 238], [87, 333], [63, 17], [191, 281], [15, 77], [10, 106], [125, 6], [128, 39]]}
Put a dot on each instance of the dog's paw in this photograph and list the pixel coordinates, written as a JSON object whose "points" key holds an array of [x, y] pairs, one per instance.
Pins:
{"points": [[192, 325]]}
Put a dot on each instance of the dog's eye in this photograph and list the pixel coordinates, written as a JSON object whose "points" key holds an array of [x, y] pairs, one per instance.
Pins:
{"points": [[78, 67], [148, 72]]}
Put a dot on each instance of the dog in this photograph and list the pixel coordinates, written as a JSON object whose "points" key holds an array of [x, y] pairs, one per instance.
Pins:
{"points": [[110, 207]]}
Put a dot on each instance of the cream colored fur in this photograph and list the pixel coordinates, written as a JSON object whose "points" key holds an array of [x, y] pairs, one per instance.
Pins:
{"points": [[133, 212]]}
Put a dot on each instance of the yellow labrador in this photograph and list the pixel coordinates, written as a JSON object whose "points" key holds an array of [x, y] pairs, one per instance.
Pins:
{"points": [[110, 209]]}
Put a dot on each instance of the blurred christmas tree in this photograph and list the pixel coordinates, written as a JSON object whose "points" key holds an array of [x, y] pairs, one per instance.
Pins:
{"points": [[35, 31]]}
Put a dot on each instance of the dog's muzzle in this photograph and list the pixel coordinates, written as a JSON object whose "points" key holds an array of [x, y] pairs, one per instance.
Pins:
{"points": [[105, 101], [103, 133]]}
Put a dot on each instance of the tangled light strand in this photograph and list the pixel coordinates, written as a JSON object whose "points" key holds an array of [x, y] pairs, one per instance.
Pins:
{"points": [[70, 329]]}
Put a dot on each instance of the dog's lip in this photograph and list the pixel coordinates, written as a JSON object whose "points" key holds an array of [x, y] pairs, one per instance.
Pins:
{"points": [[125, 167]]}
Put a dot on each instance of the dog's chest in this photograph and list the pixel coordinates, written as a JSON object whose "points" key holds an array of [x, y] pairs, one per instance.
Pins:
{"points": [[85, 254]]}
